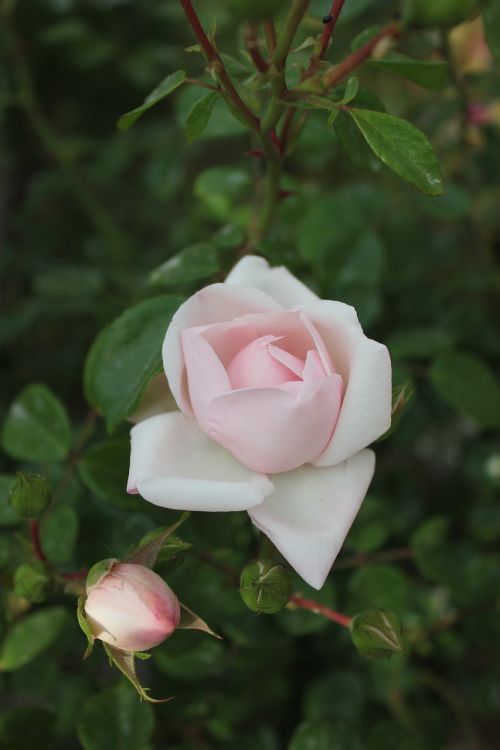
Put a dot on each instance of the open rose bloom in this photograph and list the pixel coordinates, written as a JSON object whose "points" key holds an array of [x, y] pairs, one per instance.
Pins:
{"points": [[278, 395]]}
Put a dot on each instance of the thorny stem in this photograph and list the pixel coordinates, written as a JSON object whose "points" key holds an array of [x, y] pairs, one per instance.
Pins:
{"points": [[321, 609], [217, 64], [333, 16]]}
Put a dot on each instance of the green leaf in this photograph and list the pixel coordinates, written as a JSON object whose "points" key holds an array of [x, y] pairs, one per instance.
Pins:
{"points": [[26, 728], [104, 470], [377, 634], [37, 427], [150, 547], [221, 188], [380, 586], [115, 719], [402, 147], [30, 636], [194, 263], [467, 384], [431, 74], [8, 516], [265, 586], [417, 343], [169, 84], [325, 735], [127, 355], [58, 533], [125, 662], [199, 116]]}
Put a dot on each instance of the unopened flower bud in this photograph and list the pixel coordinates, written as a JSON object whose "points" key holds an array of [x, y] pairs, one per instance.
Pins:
{"points": [[29, 495], [265, 586], [131, 607], [32, 581]]}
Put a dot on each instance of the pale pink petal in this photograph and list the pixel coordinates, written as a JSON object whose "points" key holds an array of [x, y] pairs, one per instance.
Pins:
{"points": [[278, 282], [322, 350], [214, 304], [313, 368], [276, 429], [207, 378], [255, 366], [365, 367], [175, 465], [290, 361], [311, 511]]}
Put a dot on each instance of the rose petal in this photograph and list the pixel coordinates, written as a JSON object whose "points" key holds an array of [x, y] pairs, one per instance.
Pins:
{"points": [[276, 429], [213, 304], [175, 465], [311, 511], [278, 282], [365, 367]]}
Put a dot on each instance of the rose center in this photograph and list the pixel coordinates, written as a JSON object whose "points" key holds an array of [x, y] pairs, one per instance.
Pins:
{"points": [[261, 363]]}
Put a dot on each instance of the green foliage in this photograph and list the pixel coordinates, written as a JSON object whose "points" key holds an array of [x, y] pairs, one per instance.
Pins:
{"points": [[36, 427], [194, 263], [30, 636], [169, 84], [115, 718], [125, 356], [101, 219], [402, 147], [468, 385]]}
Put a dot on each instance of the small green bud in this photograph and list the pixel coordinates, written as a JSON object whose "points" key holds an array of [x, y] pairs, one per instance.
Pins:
{"points": [[29, 495], [377, 634], [98, 571], [265, 586], [32, 581]]}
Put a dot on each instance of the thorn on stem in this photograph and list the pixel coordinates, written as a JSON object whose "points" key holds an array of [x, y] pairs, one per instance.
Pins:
{"points": [[327, 19]]}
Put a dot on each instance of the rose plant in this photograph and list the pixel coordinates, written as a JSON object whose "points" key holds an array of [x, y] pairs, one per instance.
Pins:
{"points": [[279, 393]]}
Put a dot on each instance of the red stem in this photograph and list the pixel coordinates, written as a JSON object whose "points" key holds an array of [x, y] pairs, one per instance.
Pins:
{"points": [[321, 609], [216, 60], [356, 58], [253, 49], [34, 528], [335, 10], [270, 33]]}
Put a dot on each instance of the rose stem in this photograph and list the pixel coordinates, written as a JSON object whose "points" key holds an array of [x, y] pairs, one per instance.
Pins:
{"points": [[321, 609]]}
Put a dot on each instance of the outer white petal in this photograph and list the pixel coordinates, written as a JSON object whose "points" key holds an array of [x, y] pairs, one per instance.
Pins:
{"points": [[278, 282], [216, 303], [365, 366], [175, 465], [311, 510]]}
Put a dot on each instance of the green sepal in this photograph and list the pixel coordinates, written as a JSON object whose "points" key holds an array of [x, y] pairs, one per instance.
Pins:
{"points": [[98, 571], [84, 624], [401, 397], [147, 553], [190, 621], [124, 661]]}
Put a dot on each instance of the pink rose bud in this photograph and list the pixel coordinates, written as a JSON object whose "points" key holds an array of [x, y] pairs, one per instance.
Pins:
{"points": [[132, 608]]}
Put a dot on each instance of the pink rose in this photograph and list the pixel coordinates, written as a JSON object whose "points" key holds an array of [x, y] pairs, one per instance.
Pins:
{"points": [[278, 393], [132, 608]]}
